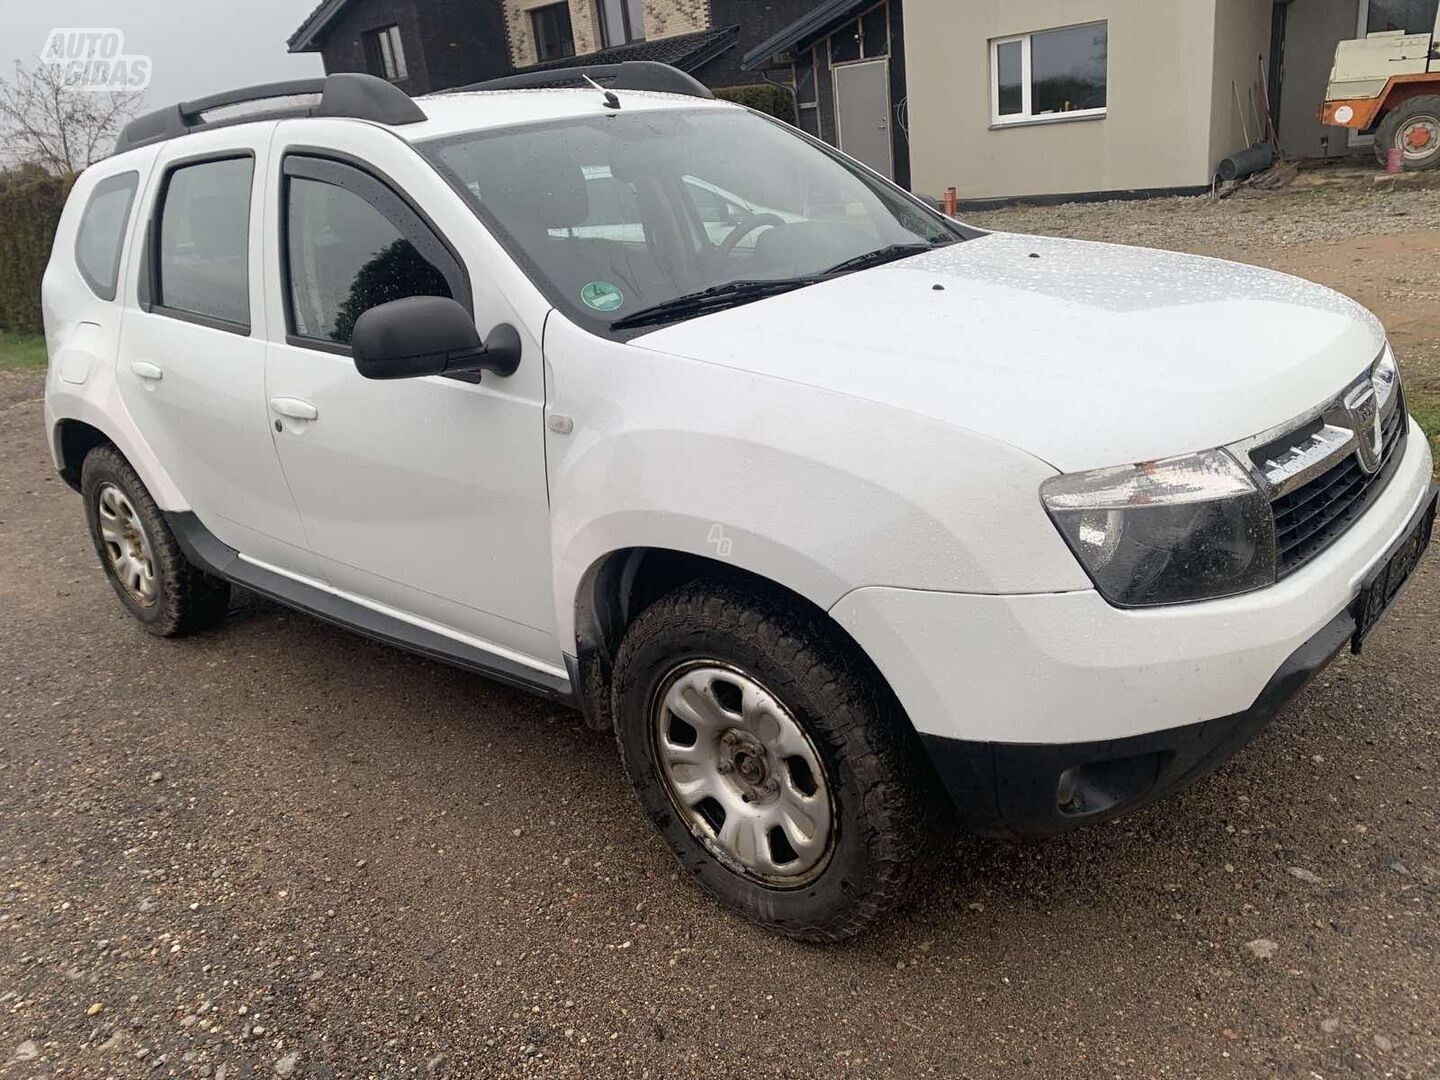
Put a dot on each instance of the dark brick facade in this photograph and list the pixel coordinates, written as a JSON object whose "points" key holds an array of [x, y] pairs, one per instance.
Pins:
{"points": [[757, 20], [453, 42], [446, 42]]}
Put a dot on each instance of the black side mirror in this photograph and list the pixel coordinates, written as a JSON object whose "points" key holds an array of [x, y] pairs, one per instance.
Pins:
{"points": [[429, 335]]}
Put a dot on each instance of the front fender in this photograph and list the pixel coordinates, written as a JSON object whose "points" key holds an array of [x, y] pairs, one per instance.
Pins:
{"points": [[817, 491]]}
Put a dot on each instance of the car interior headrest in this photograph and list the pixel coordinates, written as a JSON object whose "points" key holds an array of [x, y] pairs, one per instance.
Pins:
{"points": [[543, 190]]}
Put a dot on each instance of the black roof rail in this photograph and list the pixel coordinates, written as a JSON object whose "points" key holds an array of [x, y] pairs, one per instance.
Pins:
{"points": [[631, 75], [347, 94]]}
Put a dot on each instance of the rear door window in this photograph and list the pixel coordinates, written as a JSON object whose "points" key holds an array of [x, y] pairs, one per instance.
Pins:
{"points": [[203, 242], [100, 240]]}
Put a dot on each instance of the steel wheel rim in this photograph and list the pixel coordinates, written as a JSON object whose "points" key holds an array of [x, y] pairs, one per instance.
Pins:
{"points": [[127, 545], [743, 774], [1431, 126]]}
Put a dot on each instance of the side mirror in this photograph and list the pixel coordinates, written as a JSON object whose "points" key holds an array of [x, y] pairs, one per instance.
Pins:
{"points": [[429, 335]]}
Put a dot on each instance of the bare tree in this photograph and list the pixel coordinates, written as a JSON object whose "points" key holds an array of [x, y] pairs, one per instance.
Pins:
{"points": [[44, 123]]}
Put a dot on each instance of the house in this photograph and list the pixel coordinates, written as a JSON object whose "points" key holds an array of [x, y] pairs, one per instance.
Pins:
{"points": [[1000, 99], [427, 45], [420, 46], [845, 60], [1005, 99]]}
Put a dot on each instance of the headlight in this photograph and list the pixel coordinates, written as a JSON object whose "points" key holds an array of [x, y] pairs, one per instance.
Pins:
{"points": [[1164, 532], [1385, 376]]}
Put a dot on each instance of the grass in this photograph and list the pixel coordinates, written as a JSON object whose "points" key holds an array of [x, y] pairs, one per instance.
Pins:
{"points": [[1426, 410], [19, 352]]}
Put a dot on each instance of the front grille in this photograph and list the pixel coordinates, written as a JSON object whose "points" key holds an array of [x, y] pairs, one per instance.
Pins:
{"points": [[1314, 515]]}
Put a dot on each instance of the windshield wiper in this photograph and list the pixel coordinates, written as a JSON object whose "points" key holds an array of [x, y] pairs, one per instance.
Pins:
{"points": [[886, 254], [735, 293], [715, 298]]}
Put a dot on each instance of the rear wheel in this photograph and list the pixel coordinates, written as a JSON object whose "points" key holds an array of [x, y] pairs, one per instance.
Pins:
{"points": [[1413, 128], [168, 596], [782, 780]]}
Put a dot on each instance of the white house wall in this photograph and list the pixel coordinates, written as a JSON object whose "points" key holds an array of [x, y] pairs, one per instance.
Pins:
{"points": [[1161, 87]]}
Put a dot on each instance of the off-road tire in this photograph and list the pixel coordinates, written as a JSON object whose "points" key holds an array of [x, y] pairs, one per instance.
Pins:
{"points": [[1397, 118], [874, 769], [186, 600]]}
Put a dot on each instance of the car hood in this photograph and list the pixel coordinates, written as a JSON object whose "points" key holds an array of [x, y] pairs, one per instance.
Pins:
{"points": [[1080, 353]]}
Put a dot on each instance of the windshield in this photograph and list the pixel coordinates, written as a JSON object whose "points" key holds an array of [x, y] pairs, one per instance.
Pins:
{"points": [[613, 215]]}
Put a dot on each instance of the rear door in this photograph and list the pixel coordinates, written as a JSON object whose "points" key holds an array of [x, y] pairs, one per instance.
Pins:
{"points": [[425, 497], [192, 355]]}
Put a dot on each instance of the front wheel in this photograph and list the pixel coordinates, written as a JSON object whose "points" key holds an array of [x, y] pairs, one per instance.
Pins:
{"points": [[782, 779], [1413, 128]]}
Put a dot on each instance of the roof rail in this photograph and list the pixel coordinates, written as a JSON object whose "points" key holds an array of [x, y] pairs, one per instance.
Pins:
{"points": [[348, 94], [631, 75]]}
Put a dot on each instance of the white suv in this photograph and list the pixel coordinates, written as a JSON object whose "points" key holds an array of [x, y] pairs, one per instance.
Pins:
{"points": [[822, 500]]}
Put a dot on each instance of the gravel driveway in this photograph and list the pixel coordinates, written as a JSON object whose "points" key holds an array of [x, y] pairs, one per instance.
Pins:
{"points": [[280, 850]]}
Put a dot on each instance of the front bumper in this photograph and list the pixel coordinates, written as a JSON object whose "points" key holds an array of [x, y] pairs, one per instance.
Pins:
{"points": [[1009, 692], [1014, 789], [1010, 789]]}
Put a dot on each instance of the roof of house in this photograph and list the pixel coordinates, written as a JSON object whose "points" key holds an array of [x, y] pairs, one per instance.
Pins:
{"points": [[814, 21], [684, 51], [303, 39]]}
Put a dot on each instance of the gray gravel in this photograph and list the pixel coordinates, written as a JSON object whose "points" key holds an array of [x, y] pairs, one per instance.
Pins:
{"points": [[280, 850], [1317, 209]]}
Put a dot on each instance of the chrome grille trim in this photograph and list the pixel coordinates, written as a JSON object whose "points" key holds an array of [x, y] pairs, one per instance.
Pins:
{"points": [[1312, 517], [1324, 437]]}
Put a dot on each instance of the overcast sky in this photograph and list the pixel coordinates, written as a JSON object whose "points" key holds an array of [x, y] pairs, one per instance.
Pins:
{"points": [[196, 46]]}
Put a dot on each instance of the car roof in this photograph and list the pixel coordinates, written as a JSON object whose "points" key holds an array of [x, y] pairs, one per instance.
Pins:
{"points": [[455, 113], [528, 97], [479, 110]]}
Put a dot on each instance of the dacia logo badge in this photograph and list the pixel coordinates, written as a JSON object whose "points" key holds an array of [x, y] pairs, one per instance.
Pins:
{"points": [[1362, 408]]}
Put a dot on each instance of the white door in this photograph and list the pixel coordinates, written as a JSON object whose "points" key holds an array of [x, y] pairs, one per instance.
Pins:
{"points": [[192, 360], [862, 113], [423, 497]]}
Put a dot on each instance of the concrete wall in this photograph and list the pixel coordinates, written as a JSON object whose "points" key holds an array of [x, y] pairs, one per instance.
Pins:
{"points": [[663, 18], [1157, 130], [1242, 51], [1312, 30]]}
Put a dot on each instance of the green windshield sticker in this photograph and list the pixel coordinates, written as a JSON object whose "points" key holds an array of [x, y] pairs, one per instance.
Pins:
{"points": [[602, 296]]}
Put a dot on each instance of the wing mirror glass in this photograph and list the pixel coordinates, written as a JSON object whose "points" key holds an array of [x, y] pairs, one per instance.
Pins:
{"points": [[429, 335]]}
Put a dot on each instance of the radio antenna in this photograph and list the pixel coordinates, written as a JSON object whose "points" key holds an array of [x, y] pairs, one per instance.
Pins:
{"points": [[612, 100]]}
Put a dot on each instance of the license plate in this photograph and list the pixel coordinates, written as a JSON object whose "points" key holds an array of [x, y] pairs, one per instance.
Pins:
{"points": [[1386, 581]]}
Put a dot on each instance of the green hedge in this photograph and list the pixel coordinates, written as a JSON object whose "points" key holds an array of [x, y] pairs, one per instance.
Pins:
{"points": [[762, 97], [29, 212]]}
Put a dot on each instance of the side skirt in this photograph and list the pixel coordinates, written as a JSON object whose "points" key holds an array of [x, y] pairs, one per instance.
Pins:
{"points": [[204, 550]]}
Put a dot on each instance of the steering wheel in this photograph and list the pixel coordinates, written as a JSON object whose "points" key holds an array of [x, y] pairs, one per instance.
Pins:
{"points": [[747, 224]]}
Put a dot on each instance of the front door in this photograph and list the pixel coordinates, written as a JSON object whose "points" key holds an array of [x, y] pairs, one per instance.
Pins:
{"points": [[425, 498], [862, 110]]}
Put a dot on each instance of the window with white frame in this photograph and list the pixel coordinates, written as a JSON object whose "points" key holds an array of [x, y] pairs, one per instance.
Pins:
{"points": [[1049, 74]]}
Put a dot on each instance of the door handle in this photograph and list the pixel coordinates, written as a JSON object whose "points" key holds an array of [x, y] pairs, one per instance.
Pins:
{"points": [[148, 371], [294, 408]]}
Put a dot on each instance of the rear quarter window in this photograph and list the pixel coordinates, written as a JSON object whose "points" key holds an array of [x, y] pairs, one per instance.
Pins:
{"points": [[100, 240]]}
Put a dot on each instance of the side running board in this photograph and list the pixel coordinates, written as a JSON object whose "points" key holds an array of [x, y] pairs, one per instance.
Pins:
{"points": [[213, 556]]}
